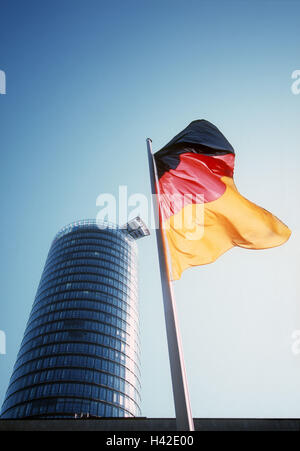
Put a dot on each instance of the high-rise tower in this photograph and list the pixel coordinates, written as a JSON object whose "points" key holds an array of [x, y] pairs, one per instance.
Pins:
{"points": [[80, 351]]}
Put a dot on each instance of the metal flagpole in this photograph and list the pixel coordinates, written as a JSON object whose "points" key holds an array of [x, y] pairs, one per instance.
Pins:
{"points": [[183, 410]]}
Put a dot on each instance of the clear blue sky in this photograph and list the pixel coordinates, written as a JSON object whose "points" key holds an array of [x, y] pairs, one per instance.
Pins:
{"points": [[87, 82]]}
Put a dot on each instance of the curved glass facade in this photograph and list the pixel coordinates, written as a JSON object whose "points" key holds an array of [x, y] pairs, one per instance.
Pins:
{"points": [[80, 351]]}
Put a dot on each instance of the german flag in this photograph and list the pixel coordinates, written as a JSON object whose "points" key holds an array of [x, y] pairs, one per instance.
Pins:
{"points": [[202, 212]]}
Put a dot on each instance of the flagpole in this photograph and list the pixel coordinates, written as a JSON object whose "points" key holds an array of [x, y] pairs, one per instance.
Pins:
{"points": [[184, 418]]}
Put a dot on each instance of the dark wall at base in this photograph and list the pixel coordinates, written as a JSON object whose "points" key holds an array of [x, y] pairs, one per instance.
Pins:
{"points": [[145, 424]]}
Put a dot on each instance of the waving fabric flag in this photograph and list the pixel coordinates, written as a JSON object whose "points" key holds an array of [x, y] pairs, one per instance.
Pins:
{"points": [[202, 212]]}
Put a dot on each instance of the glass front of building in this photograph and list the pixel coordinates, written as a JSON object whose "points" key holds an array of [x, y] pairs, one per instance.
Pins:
{"points": [[80, 351]]}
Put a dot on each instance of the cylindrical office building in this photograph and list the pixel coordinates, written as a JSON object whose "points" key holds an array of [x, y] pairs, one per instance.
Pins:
{"points": [[80, 352]]}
